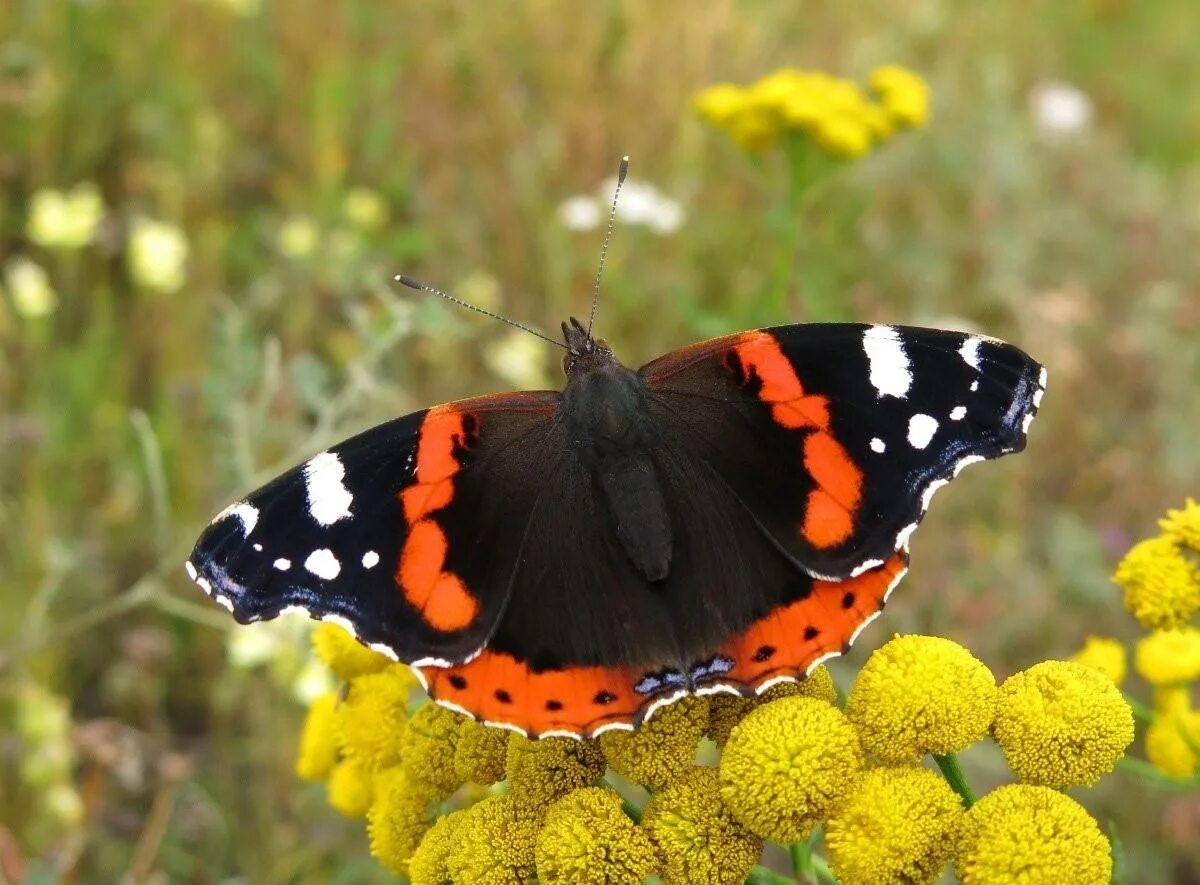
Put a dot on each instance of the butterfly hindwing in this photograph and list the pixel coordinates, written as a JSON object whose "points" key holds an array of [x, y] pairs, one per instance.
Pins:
{"points": [[834, 436], [408, 533]]}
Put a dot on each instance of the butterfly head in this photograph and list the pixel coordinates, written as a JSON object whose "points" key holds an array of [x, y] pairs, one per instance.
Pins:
{"points": [[584, 352]]}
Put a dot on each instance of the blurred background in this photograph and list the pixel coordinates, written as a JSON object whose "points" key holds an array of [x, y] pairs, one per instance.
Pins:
{"points": [[202, 203]]}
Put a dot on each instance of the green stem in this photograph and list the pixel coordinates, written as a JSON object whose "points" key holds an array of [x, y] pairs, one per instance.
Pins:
{"points": [[954, 775], [761, 875]]}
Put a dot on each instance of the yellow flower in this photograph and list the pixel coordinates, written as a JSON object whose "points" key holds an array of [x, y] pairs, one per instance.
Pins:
{"points": [[158, 254], [1172, 739], [1162, 587], [365, 209], [753, 129], [427, 748], [720, 103], [33, 296], [1174, 698], [1062, 724], [430, 863], [902, 93], [774, 90], [480, 754], [921, 694], [697, 838], [843, 136], [1033, 835], [397, 819], [785, 764], [66, 220], [351, 789], [894, 825], [1183, 526], [1104, 654], [495, 843], [663, 748], [1167, 656], [371, 718], [588, 838], [543, 770], [347, 657], [727, 710], [297, 237], [318, 740]]}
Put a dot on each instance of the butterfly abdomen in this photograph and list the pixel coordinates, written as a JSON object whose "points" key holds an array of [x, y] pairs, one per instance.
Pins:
{"points": [[614, 434]]}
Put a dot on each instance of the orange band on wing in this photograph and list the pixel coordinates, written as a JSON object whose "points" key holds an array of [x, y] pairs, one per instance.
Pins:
{"points": [[496, 687], [443, 600], [832, 505], [788, 640]]}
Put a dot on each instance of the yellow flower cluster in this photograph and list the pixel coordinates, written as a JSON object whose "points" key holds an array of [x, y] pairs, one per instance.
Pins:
{"points": [[789, 761], [1160, 577], [834, 113]]}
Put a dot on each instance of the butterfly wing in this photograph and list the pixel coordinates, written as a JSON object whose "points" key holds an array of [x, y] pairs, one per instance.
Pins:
{"points": [[835, 436], [360, 533]]}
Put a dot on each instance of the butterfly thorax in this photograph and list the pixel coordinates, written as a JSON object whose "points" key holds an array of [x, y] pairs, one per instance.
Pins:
{"points": [[613, 434]]}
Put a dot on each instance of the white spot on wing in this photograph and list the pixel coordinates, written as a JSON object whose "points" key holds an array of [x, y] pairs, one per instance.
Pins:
{"points": [[904, 535], [974, 386], [719, 688], [958, 413], [223, 601], [561, 733], [921, 428], [818, 661], [323, 564], [878, 446], [190, 569], [431, 662], [662, 702], [970, 352], [1037, 397], [328, 498], [1025, 422], [258, 548], [890, 371], [203, 584], [370, 559], [247, 515], [384, 650], [612, 726], [283, 564], [1043, 377], [508, 726]]}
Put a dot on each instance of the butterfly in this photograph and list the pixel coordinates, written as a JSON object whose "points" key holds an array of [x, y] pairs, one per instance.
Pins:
{"points": [[563, 563]]}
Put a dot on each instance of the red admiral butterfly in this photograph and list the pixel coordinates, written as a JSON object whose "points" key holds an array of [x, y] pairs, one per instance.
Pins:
{"points": [[564, 563]]}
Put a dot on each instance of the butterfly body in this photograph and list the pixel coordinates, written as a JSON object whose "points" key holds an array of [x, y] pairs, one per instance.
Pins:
{"points": [[725, 517]]}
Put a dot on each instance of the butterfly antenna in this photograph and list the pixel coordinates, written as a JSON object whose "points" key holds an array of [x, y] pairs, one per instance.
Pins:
{"points": [[622, 171], [414, 284]]}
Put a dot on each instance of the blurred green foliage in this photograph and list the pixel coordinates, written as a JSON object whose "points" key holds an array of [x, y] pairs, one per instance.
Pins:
{"points": [[305, 151]]}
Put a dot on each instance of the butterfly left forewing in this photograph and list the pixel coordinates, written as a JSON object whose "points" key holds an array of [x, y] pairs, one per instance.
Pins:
{"points": [[405, 534]]}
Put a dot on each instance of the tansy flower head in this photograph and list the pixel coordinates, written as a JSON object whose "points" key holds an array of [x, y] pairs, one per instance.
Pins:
{"points": [[588, 838], [1104, 654], [351, 789], [1172, 742], [495, 843], [346, 656], [921, 694], [430, 863], [785, 764], [894, 825], [371, 718], [397, 819], [1061, 724], [427, 748], [541, 771], [1033, 835], [663, 747], [697, 838], [1174, 698], [318, 740], [480, 753], [1167, 656], [1183, 526], [1162, 586], [727, 710], [720, 103], [903, 93]]}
